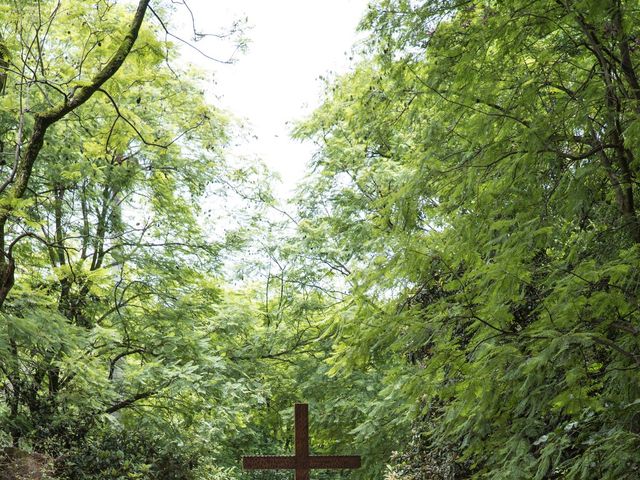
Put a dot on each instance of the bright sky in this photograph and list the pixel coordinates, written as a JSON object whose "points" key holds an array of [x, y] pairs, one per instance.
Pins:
{"points": [[292, 43]]}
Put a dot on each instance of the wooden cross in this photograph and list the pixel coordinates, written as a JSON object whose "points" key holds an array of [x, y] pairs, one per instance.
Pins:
{"points": [[301, 462]]}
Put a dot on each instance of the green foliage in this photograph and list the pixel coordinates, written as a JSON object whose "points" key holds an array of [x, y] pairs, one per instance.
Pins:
{"points": [[459, 298], [475, 183], [114, 343]]}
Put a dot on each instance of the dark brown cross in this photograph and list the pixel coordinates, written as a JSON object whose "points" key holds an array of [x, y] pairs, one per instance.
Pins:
{"points": [[302, 462]]}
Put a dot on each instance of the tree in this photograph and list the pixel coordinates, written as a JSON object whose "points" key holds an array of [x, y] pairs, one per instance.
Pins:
{"points": [[15, 185], [113, 353], [476, 178]]}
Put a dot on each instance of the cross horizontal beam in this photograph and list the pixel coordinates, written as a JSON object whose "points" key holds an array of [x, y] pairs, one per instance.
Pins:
{"points": [[269, 462], [329, 462], [273, 462]]}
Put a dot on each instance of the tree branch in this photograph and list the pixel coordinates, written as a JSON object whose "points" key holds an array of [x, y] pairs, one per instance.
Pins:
{"points": [[131, 400], [79, 96]]}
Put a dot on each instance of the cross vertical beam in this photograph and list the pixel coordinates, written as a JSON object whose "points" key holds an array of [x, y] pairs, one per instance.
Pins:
{"points": [[302, 441]]}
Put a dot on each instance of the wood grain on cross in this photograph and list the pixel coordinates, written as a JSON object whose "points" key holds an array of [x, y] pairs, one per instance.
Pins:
{"points": [[301, 462]]}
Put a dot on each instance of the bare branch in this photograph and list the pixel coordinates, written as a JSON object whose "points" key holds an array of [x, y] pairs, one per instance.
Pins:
{"points": [[168, 33]]}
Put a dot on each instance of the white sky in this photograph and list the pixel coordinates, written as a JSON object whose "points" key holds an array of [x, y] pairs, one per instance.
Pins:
{"points": [[292, 43]]}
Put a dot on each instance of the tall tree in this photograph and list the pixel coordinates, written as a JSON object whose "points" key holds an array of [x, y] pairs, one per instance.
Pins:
{"points": [[113, 341], [476, 184], [31, 71]]}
